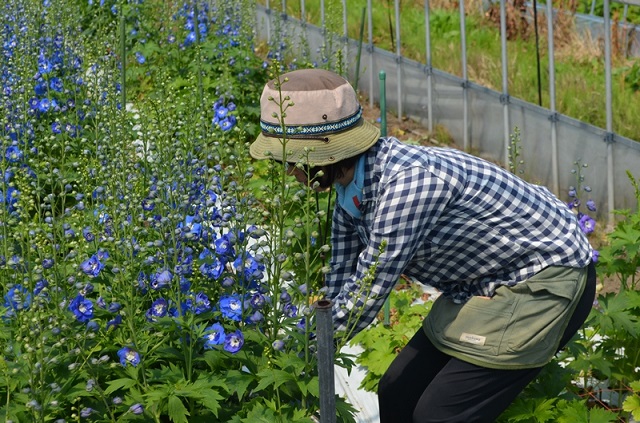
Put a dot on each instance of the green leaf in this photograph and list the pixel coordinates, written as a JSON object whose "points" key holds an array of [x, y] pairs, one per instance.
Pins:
{"points": [[273, 377], [314, 387], [632, 405], [379, 361], [574, 412], [260, 414], [300, 416], [238, 382], [538, 410], [616, 314], [211, 399], [114, 385], [79, 390], [345, 411], [601, 415], [177, 411]]}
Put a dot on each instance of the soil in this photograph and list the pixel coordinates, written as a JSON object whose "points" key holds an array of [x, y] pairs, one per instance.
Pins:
{"points": [[404, 129]]}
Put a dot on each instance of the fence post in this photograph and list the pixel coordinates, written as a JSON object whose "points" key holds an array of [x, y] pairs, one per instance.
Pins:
{"points": [[465, 79], [505, 79], [609, 110], [552, 102], [325, 362], [398, 59], [427, 24]]}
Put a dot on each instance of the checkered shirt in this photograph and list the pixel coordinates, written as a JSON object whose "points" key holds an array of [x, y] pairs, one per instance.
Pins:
{"points": [[450, 220]]}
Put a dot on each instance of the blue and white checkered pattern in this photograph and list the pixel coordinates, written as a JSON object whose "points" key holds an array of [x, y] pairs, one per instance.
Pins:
{"points": [[450, 220]]}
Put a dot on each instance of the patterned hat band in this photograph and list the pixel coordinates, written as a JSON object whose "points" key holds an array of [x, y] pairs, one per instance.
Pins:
{"points": [[317, 130]]}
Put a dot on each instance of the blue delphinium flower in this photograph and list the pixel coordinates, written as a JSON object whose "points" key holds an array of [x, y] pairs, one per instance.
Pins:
{"points": [[39, 287], [86, 412], [13, 154], [16, 299], [234, 341], [190, 39], [82, 308], [222, 112], [128, 356], [136, 409], [214, 335], [115, 322], [212, 270], [141, 283], [56, 84], [92, 266], [44, 105], [88, 235], [159, 308], [161, 280], [257, 300], [47, 263], [278, 345], [227, 123], [231, 307], [201, 303], [185, 284], [100, 302], [587, 224], [250, 270], [285, 297], [223, 245], [148, 204], [290, 310], [102, 254], [140, 58], [192, 227], [256, 317]]}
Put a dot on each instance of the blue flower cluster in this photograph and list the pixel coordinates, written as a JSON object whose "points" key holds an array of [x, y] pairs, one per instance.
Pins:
{"points": [[223, 117], [108, 252], [585, 221]]}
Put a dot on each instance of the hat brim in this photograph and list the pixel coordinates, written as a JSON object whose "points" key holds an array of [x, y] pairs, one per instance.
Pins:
{"points": [[321, 151]]}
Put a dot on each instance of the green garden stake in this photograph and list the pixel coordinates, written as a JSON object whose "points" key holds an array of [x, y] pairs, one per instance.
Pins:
{"points": [[383, 133], [383, 103]]}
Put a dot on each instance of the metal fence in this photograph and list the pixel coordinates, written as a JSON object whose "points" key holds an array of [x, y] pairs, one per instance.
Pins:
{"points": [[480, 119]]}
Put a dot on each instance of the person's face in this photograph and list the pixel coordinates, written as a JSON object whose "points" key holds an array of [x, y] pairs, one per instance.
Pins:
{"points": [[299, 174]]}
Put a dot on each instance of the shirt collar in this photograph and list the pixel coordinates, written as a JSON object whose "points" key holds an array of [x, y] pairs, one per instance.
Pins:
{"points": [[373, 169]]}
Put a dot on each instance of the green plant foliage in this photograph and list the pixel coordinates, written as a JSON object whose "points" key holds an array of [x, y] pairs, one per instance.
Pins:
{"points": [[381, 343], [632, 402], [621, 255], [144, 275]]}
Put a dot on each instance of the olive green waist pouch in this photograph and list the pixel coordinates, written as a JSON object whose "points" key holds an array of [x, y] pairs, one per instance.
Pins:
{"points": [[519, 327]]}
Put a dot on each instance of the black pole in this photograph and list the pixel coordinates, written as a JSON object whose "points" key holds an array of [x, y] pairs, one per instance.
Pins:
{"points": [[535, 23], [325, 362]]}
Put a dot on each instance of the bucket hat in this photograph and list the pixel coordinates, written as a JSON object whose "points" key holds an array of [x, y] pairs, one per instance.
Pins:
{"points": [[323, 120]]}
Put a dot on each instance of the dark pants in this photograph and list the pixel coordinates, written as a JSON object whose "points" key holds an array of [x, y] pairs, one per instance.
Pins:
{"points": [[424, 385]]}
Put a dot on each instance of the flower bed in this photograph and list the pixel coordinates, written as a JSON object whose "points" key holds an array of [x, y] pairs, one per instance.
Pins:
{"points": [[147, 274], [150, 270]]}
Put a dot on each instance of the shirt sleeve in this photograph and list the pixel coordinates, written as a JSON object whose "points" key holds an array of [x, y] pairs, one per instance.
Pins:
{"points": [[345, 248], [408, 206]]}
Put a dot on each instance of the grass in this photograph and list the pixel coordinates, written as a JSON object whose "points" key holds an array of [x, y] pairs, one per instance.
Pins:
{"points": [[579, 60]]}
